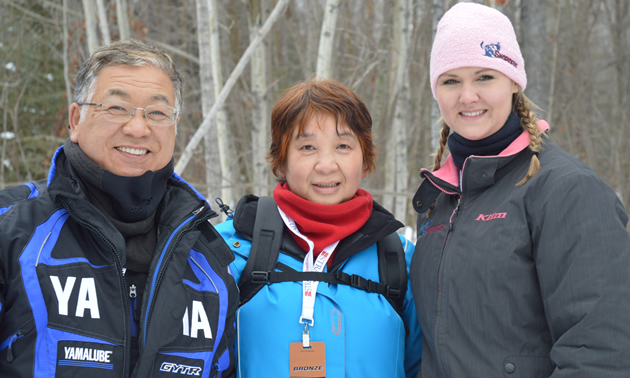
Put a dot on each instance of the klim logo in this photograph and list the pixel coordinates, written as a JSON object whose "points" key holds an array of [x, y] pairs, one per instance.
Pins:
{"points": [[87, 298], [170, 367], [486, 218]]}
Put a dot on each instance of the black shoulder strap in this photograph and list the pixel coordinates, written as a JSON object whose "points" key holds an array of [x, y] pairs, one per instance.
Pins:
{"points": [[392, 270], [263, 256], [266, 240]]}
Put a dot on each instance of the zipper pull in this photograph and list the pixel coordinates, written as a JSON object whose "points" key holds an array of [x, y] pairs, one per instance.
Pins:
{"points": [[450, 223], [17, 335], [196, 212], [133, 293]]}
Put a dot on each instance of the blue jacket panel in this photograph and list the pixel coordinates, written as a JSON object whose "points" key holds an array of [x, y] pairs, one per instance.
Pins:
{"points": [[362, 333]]}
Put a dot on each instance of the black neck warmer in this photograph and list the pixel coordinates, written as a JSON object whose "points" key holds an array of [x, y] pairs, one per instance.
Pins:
{"points": [[133, 198], [461, 148], [128, 202]]}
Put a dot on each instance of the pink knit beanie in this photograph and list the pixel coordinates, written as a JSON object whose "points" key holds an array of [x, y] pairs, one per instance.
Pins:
{"points": [[474, 35]]}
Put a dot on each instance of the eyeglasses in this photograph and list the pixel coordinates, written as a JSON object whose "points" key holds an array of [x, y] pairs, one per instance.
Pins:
{"points": [[121, 111]]}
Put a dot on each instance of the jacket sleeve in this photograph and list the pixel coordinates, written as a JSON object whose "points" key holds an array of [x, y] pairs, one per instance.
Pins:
{"points": [[582, 253], [413, 343]]}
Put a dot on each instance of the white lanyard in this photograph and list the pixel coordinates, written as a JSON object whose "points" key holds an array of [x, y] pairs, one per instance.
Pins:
{"points": [[309, 288]]}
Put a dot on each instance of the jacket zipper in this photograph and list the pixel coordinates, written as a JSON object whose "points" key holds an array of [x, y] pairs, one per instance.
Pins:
{"points": [[450, 229], [451, 219], [121, 277], [169, 247], [451, 223], [12, 339], [133, 308]]}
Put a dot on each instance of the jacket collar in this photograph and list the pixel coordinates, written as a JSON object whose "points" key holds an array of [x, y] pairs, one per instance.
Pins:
{"points": [[449, 173], [447, 178]]}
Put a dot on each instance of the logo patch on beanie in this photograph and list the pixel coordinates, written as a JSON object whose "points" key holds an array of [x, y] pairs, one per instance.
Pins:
{"points": [[493, 51]]}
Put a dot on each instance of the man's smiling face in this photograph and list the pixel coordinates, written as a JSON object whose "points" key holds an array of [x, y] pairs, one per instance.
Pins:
{"points": [[126, 148]]}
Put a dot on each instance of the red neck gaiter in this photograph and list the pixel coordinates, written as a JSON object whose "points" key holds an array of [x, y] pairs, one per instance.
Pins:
{"points": [[323, 224]]}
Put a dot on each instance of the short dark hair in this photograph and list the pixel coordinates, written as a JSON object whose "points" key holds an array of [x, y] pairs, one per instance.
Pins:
{"points": [[313, 97]]}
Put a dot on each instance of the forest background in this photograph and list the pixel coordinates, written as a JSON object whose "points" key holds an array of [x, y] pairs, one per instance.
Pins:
{"points": [[237, 56]]}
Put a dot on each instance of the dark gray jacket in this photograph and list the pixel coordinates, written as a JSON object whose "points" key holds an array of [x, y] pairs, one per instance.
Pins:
{"points": [[522, 281]]}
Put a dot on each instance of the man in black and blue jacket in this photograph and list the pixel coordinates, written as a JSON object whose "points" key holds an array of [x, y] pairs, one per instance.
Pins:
{"points": [[110, 268]]}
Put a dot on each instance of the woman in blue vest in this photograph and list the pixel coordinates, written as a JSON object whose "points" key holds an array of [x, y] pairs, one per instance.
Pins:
{"points": [[351, 314]]}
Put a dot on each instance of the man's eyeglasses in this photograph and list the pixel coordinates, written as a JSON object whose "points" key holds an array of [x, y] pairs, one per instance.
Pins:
{"points": [[121, 111]]}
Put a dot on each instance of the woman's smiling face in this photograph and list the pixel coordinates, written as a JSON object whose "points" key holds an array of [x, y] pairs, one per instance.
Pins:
{"points": [[475, 102], [325, 163]]}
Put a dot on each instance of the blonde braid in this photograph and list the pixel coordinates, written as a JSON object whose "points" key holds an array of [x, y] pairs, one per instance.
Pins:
{"points": [[444, 133], [528, 122]]}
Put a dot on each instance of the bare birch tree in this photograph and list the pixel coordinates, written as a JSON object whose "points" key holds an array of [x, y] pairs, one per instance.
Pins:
{"points": [[216, 143], [211, 152], [123, 20], [260, 106], [327, 38], [90, 25], [534, 47], [222, 143], [436, 126], [585, 56], [102, 23], [229, 84], [397, 165], [65, 37]]}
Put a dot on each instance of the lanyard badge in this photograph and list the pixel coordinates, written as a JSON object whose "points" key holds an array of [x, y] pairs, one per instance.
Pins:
{"points": [[308, 359]]}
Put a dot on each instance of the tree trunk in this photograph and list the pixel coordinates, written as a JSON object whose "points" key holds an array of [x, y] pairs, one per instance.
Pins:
{"points": [[436, 126], [327, 38], [260, 106], [102, 23], [90, 25], [554, 63], [211, 152], [65, 37], [209, 72], [534, 46], [227, 176], [618, 19], [397, 172], [236, 73], [123, 20]]}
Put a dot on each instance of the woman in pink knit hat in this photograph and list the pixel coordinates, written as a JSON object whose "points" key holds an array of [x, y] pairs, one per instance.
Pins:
{"points": [[522, 263]]}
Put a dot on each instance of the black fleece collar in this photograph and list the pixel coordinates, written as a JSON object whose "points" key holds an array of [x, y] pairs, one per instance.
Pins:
{"points": [[461, 148]]}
